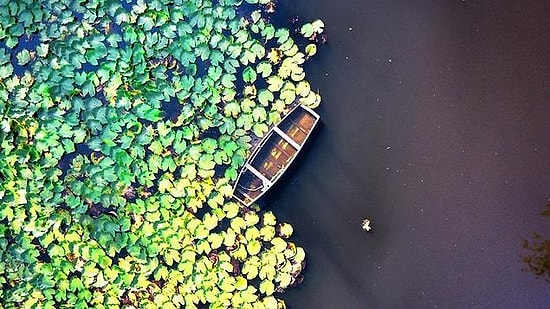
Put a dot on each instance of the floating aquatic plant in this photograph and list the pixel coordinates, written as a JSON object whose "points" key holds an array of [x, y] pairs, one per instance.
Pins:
{"points": [[122, 128]]}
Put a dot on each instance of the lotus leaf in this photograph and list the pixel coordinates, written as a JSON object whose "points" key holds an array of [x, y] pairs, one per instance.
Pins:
{"points": [[210, 221], [238, 223], [206, 162], [275, 83], [241, 283], [267, 232], [231, 209], [228, 126], [6, 70], [288, 96], [310, 50], [245, 121], [291, 50], [279, 244], [260, 129], [240, 253], [267, 287], [315, 27], [298, 75], [284, 279], [285, 230], [269, 218], [250, 270], [270, 303], [209, 145], [312, 100], [24, 57], [253, 247], [249, 75], [265, 97], [232, 109]]}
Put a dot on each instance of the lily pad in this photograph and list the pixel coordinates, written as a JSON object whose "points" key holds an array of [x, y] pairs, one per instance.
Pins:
{"points": [[23, 57], [249, 75], [310, 50]]}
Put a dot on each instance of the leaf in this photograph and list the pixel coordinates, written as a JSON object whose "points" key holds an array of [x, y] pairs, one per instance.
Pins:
{"points": [[6, 70], [210, 221], [241, 283], [23, 57], [259, 114], [228, 80], [315, 27], [228, 126], [209, 145], [267, 232], [4, 56], [310, 50], [264, 68], [284, 279], [260, 129], [253, 247], [206, 162], [288, 96], [267, 287], [237, 224], [42, 50], [268, 32], [249, 75], [245, 121], [303, 88], [318, 26], [275, 83], [279, 244], [285, 230], [265, 97], [232, 109], [216, 240], [282, 35], [300, 255], [251, 218]]}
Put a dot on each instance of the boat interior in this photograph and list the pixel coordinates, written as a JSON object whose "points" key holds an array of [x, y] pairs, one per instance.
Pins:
{"points": [[275, 155], [249, 187], [298, 126]]}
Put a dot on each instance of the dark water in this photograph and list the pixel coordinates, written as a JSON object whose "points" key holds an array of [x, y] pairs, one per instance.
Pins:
{"points": [[436, 125]]}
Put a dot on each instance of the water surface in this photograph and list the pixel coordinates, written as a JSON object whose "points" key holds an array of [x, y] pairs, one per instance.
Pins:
{"points": [[435, 125]]}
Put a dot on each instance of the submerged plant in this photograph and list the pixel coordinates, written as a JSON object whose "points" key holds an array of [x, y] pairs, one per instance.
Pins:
{"points": [[122, 128]]}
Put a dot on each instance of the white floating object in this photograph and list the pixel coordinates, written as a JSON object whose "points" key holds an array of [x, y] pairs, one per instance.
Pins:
{"points": [[366, 225]]}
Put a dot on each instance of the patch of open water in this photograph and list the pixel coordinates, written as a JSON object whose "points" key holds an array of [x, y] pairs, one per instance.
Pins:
{"points": [[435, 125]]}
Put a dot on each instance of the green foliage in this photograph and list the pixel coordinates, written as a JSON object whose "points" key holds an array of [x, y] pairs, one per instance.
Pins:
{"points": [[315, 27], [118, 123]]}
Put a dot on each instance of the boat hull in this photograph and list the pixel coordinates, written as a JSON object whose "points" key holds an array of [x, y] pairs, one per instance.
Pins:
{"points": [[274, 154]]}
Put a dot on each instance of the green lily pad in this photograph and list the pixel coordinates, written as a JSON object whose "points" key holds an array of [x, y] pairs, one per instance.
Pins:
{"points": [[265, 97], [249, 75], [6, 70], [279, 244], [315, 27], [253, 247], [267, 287], [23, 57], [209, 145], [310, 50], [285, 230]]}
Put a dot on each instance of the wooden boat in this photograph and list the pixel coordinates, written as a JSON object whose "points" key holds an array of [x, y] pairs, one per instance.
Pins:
{"points": [[274, 154]]}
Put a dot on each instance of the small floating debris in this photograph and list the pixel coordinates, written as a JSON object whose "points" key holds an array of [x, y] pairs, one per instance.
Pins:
{"points": [[366, 225]]}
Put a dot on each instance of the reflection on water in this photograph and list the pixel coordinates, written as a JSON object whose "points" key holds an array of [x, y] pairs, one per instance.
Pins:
{"points": [[536, 256]]}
